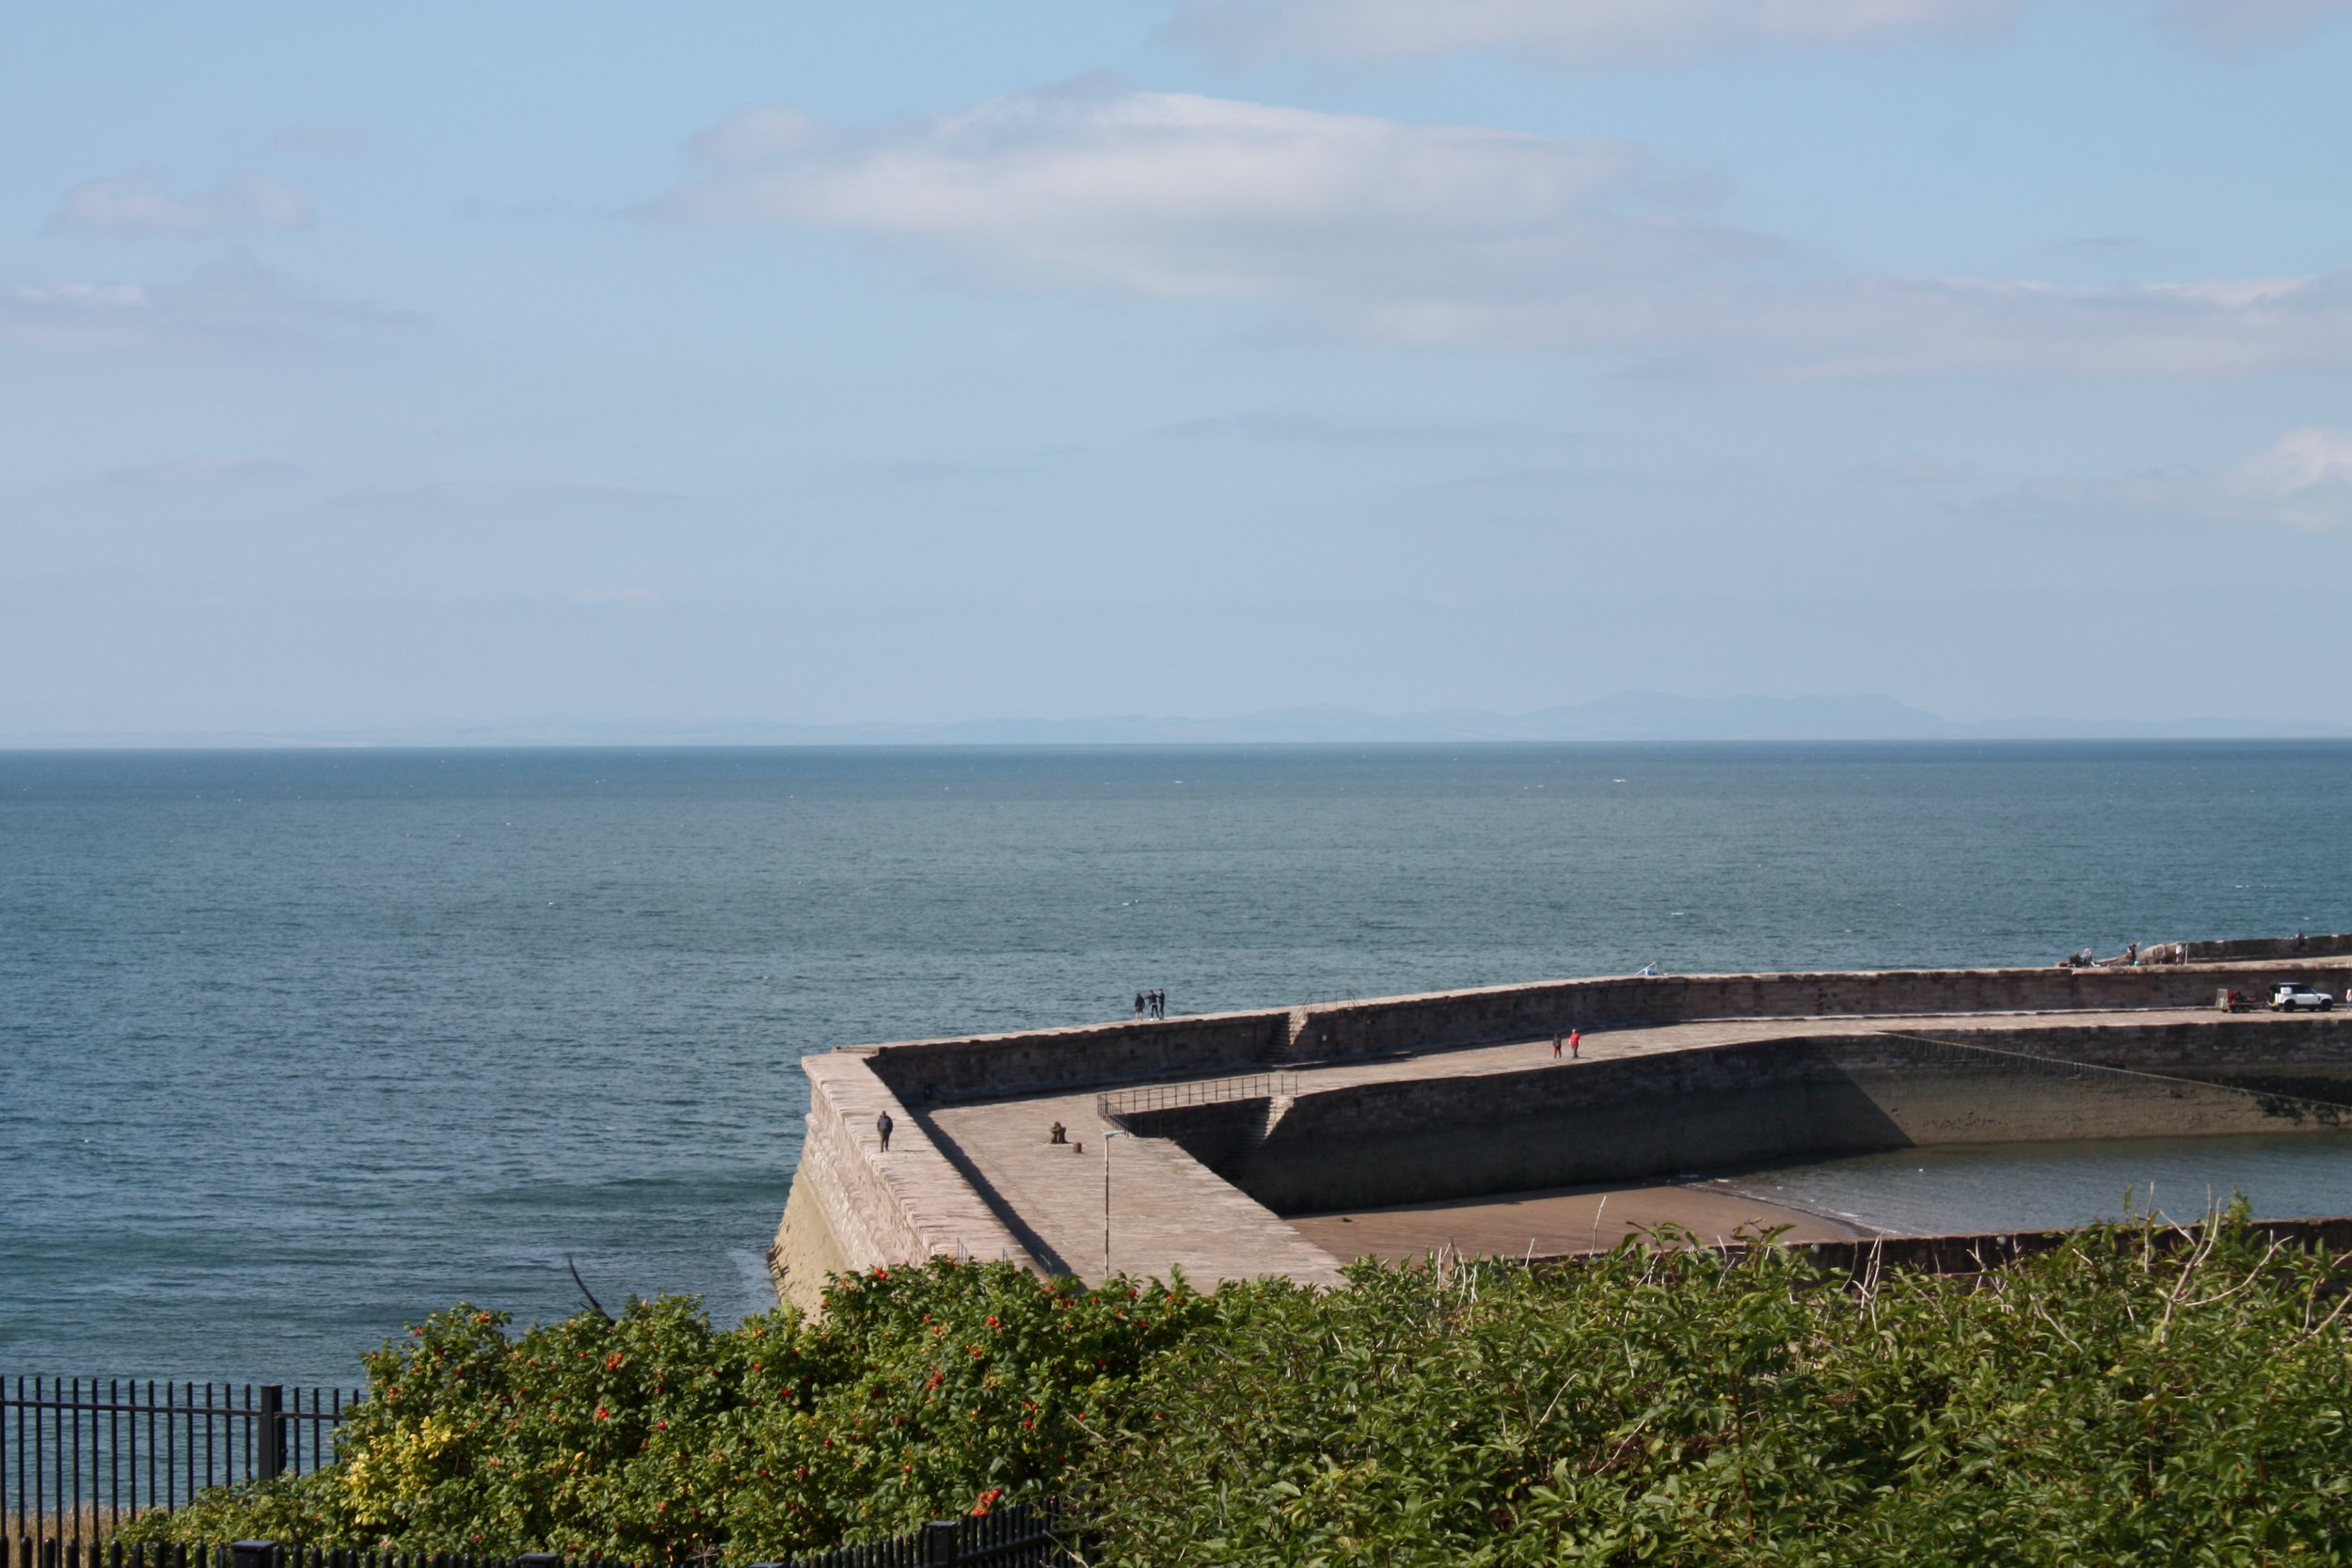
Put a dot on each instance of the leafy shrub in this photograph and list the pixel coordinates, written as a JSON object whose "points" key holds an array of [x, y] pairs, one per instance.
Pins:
{"points": [[921, 1392], [2111, 1402], [2105, 1404]]}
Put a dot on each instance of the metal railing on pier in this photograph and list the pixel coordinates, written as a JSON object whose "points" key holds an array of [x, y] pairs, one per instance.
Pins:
{"points": [[1115, 1107]]}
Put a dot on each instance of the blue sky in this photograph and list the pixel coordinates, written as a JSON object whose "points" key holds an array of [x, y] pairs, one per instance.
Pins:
{"points": [[471, 366]]}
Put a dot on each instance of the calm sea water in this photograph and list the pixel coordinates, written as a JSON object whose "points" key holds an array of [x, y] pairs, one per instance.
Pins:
{"points": [[298, 1047], [2049, 1187]]}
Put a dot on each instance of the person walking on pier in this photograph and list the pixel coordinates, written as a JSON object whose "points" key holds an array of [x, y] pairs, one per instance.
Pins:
{"points": [[882, 1124], [1139, 1004], [1555, 1048], [1576, 1042]]}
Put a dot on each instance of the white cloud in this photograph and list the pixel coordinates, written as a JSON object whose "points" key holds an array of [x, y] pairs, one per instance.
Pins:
{"points": [[1180, 196], [228, 304], [1569, 32], [1896, 326], [1457, 237], [2301, 481], [2304, 481], [750, 135], [143, 206]]}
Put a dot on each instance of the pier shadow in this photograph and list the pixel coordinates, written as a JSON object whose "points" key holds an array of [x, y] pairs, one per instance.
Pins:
{"points": [[1022, 1231]]}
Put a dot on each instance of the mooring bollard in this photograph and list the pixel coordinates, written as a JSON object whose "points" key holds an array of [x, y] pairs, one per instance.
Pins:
{"points": [[940, 1541]]}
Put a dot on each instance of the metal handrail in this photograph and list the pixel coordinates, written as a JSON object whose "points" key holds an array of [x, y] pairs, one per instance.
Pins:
{"points": [[1116, 1106]]}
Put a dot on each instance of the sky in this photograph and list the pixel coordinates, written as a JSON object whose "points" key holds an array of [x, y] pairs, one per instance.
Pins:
{"points": [[437, 367]]}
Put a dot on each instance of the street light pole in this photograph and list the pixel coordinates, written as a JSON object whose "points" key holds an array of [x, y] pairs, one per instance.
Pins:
{"points": [[1107, 1137]]}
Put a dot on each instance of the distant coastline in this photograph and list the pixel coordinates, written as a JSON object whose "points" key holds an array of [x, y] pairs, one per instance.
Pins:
{"points": [[1626, 717]]}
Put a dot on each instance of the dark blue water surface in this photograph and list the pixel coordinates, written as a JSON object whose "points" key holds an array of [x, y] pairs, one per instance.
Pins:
{"points": [[296, 1047]]}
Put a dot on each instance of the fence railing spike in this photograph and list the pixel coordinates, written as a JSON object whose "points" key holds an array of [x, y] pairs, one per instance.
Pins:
{"points": [[78, 1455]]}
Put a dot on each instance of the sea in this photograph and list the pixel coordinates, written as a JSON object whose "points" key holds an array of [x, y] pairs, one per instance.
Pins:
{"points": [[299, 1046]]}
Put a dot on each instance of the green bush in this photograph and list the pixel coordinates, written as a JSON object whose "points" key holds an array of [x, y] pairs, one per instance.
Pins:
{"points": [[920, 1393], [2111, 1402], [2105, 1403]]}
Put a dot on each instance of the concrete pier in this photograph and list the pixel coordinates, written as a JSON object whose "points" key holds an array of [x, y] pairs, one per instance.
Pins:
{"points": [[1455, 1096]]}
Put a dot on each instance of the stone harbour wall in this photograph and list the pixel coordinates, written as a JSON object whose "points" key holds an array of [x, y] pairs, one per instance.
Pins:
{"points": [[1645, 1117], [2245, 948], [853, 1206], [1137, 1051], [985, 1066]]}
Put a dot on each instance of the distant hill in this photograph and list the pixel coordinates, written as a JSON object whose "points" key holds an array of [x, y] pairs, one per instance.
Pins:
{"points": [[1628, 716], [1659, 715]]}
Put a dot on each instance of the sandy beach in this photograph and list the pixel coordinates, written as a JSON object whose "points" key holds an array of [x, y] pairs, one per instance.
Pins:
{"points": [[1556, 1220]]}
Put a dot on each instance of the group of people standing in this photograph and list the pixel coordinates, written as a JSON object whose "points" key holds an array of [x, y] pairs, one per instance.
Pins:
{"points": [[1151, 1003]]}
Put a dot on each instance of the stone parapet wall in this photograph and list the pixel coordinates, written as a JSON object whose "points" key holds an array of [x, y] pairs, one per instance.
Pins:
{"points": [[853, 1208], [2267, 1043], [1357, 1029], [2243, 948], [1805, 1096], [1133, 1051], [984, 1067]]}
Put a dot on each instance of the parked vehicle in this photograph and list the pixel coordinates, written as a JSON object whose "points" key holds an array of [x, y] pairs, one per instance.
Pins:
{"points": [[2291, 996]]}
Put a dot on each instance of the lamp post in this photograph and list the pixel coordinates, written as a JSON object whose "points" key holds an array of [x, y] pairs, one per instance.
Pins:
{"points": [[1107, 1137]]}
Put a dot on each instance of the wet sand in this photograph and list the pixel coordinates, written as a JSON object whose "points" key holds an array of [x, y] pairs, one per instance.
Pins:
{"points": [[1555, 1220]]}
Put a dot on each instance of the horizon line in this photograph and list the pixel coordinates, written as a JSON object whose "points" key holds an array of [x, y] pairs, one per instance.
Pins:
{"points": [[190, 746]]}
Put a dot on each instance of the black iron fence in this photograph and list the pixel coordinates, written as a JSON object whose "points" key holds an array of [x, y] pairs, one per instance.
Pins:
{"points": [[76, 1454], [80, 1455], [1025, 1535]]}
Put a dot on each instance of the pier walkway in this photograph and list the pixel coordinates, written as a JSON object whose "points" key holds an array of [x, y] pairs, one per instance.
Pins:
{"points": [[1168, 1211]]}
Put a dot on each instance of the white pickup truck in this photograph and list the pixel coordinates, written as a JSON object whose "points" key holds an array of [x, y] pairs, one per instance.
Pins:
{"points": [[2290, 996]]}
